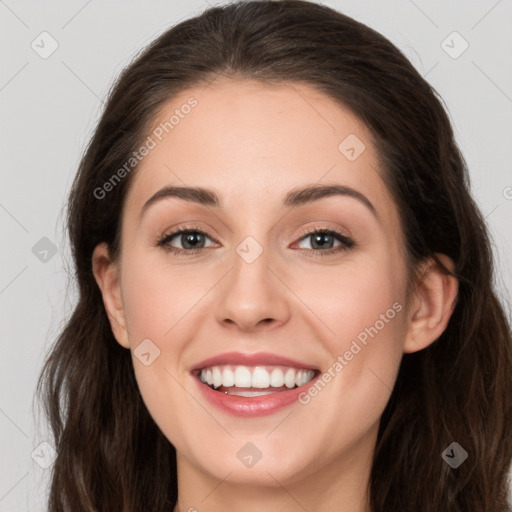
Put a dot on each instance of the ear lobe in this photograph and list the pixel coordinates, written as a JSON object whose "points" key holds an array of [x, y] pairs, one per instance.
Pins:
{"points": [[106, 274], [433, 303]]}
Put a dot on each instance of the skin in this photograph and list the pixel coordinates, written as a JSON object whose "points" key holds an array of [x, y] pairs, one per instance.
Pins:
{"points": [[251, 144]]}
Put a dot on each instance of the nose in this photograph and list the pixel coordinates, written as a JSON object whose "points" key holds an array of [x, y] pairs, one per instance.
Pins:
{"points": [[252, 297]]}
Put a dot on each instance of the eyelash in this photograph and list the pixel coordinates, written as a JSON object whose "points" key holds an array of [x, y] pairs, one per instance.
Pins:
{"points": [[163, 242], [346, 243]]}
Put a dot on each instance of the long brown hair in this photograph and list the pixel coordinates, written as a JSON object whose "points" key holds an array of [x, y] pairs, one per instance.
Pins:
{"points": [[111, 454]]}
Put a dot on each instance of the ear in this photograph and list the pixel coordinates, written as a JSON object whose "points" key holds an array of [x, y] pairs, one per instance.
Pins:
{"points": [[432, 304], [107, 276]]}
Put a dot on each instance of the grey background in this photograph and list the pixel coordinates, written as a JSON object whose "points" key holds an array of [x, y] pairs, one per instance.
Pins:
{"points": [[49, 108]]}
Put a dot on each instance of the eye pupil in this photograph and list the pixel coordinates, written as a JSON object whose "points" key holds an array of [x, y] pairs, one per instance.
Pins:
{"points": [[192, 240], [322, 240]]}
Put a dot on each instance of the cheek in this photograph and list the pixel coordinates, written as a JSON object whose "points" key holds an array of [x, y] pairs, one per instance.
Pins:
{"points": [[360, 308], [365, 311], [354, 298], [156, 298], [159, 303], [156, 305]]}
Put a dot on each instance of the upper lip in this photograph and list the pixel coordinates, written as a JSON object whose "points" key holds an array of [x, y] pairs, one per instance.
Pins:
{"points": [[257, 359]]}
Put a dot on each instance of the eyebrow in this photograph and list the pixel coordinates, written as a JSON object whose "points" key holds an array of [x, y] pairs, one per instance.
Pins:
{"points": [[314, 192], [294, 198]]}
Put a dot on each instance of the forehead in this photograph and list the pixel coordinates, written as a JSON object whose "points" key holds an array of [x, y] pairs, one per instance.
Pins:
{"points": [[251, 143]]}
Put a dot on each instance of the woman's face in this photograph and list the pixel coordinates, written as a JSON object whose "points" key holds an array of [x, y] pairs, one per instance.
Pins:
{"points": [[262, 296]]}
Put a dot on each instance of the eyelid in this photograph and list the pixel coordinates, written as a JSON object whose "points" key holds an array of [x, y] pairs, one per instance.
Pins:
{"points": [[321, 229], [346, 242], [185, 227], [173, 232]]}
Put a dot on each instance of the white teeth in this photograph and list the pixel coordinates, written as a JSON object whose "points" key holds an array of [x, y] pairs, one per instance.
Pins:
{"points": [[302, 377], [242, 377], [289, 378], [276, 378], [217, 377], [228, 378], [262, 377]]}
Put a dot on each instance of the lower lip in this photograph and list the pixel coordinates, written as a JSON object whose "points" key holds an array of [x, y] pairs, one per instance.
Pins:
{"points": [[250, 407]]}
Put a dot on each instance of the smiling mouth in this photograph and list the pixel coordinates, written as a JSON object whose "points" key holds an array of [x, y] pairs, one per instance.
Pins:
{"points": [[252, 381]]}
